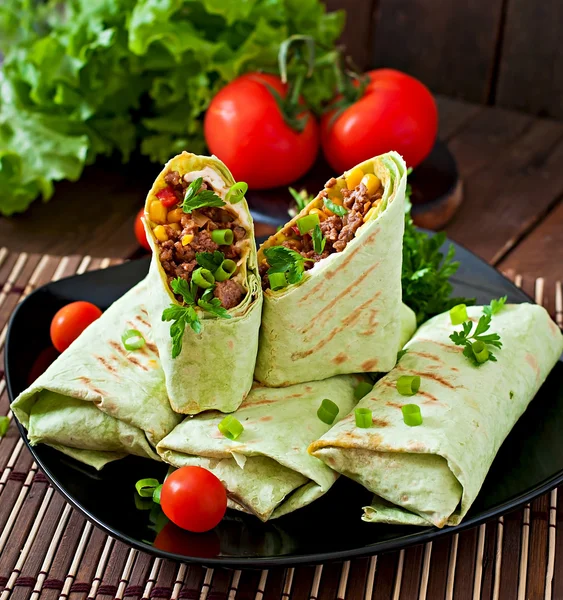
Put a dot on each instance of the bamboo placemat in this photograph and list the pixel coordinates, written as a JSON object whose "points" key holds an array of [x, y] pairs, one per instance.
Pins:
{"points": [[48, 550]]}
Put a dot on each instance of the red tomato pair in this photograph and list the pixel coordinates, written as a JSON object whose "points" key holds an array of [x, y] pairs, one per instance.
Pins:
{"points": [[245, 127]]}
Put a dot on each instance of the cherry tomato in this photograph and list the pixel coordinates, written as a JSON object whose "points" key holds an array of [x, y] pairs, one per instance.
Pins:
{"points": [[396, 112], [194, 499], [140, 230], [167, 197], [70, 321], [245, 128]]}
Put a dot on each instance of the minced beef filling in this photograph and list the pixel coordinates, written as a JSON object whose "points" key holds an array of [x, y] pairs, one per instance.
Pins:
{"points": [[337, 231], [179, 260]]}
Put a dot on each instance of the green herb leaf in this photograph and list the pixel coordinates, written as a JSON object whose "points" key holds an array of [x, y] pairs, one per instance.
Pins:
{"points": [[285, 260], [463, 338], [318, 240], [495, 306], [213, 305], [188, 291], [301, 198], [338, 210], [210, 260], [196, 198]]}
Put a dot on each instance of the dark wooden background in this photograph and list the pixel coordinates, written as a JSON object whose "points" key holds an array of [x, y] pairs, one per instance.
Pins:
{"points": [[507, 53]]}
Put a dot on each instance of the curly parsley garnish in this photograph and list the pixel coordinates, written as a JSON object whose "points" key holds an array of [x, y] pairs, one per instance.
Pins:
{"points": [[318, 240], [195, 197], [285, 260], [338, 210], [182, 316], [475, 344]]}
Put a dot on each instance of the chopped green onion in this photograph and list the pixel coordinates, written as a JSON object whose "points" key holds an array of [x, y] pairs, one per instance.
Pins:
{"points": [[145, 487], [362, 389], [277, 281], [133, 339], [480, 351], [363, 417], [203, 278], [338, 210], [458, 314], [143, 503], [156, 494], [223, 237], [225, 270], [411, 415], [230, 427], [305, 224], [237, 192], [408, 385], [4, 424], [328, 411]]}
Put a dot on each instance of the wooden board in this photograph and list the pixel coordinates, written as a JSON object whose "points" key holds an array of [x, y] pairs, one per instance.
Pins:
{"points": [[531, 65], [450, 46]]}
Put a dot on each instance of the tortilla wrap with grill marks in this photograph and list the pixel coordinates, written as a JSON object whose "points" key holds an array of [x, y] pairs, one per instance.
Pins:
{"points": [[98, 402], [214, 369], [432, 473], [345, 315], [266, 470]]}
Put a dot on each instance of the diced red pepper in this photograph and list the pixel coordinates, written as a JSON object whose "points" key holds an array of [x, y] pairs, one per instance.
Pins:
{"points": [[167, 197], [296, 230]]}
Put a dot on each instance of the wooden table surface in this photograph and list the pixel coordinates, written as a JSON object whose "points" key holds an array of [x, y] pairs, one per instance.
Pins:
{"points": [[511, 165]]}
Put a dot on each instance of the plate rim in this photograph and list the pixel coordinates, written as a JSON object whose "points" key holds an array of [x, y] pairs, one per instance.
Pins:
{"points": [[426, 534]]}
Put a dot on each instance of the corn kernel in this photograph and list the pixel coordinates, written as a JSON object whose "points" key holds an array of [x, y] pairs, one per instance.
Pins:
{"points": [[353, 178], [160, 233], [174, 216], [157, 212], [318, 211], [175, 226], [371, 212], [371, 182], [187, 239]]}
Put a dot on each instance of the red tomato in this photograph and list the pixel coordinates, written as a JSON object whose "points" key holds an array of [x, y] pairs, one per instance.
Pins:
{"points": [[140, 230], [167, 197], [245, 128], [194, 499], [70, 321], [396, 112]]}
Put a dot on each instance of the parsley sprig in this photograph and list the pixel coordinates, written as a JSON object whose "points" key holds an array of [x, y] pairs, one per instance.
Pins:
{"points": [[186, 315], [467, 339], [210, 260], [301, 198], [495, 306], [286, 260], [426, 271], [195, 197]]}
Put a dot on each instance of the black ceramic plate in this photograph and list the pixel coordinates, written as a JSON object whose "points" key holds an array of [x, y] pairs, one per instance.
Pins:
{"points": [[529, 463]]}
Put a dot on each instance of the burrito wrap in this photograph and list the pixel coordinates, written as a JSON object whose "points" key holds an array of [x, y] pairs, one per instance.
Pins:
{"points": [[99, 402], [345, 315], [431, 474], [215, 368], [267, 470]]}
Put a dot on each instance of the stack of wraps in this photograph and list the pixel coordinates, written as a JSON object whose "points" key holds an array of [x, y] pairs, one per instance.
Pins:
{"points": [[214, 369], [346, 314], [267, 470], [98, 402], [431, 474]]}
